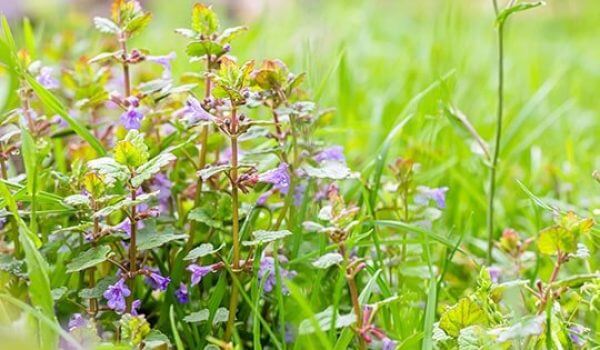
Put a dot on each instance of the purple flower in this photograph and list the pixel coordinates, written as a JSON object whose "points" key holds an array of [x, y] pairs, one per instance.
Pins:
{"points": [[162, 184], [388, 344], [334, 153], [193, 111], [495, 273], [46, 79], [116, 294], [57, 119], [182, 294], [165, 62], [279, 177], [77, 321], [135, 305], [266, 272], [131, 118], [438, 195], [157, 281], [575, 333], [125, 226], [2, 222], [198, 272]]}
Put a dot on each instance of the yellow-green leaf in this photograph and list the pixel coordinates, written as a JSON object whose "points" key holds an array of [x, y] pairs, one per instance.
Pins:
{"points": [[462, 315], [556, 238], [204, 20]]}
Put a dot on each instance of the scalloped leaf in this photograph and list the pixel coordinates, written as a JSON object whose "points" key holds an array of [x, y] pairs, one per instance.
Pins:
{"points": [[328, 260], [89, 258], [462, 315], [202, 250], [263, 236], [329, 170]]}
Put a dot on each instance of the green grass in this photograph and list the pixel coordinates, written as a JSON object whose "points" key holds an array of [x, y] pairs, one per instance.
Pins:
{"points": [[389, 68]]}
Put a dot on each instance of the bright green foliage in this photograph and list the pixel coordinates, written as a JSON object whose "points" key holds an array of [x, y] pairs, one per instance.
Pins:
{"points": [[462, 315]]}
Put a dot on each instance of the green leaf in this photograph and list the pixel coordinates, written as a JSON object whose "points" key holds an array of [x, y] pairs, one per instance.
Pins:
{"points": [[198, 316], [474, 338], [58, 293], [529, 326], [132, 151], [230, 33], [148, 169], [202, 215], [105, 25], [221, 316], [77, 200], [103, 56], [52, 103], [329, 170], [89, 258], [524, 6], [138, 24], [156, 340], [203, 48], [556, 238], [210, 170], [29, 150], [109, 169], [204, 20], [99, 289], [150, 239], [328, 260], [124, 203], [202, 250], [9, 264], [324, 321], [188, 33], [29, 38], [263, 236], [462, 315]]}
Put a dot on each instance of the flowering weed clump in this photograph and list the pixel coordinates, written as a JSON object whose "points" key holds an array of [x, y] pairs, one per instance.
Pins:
{"points": [[146, 210]]}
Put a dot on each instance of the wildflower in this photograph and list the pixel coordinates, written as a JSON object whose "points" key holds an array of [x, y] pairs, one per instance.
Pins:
{"points": [[162, 184], [388, 344], [131, 118], [46, 79], [198, 272], [135, 305], [125, 226], [182, 294], [575, 333], [438, 195], [165, 62], [495, 273], [157, 281], [77, 321], [334, 153], [116, 294], [369, 330], [193, 111], [279, 177], [266, 271]]}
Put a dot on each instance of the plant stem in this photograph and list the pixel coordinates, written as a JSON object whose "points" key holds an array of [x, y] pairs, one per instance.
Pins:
{"points": [[132, 251], [493, 165], [233, 301], [201, 160], [353, 293], [126, 79]]}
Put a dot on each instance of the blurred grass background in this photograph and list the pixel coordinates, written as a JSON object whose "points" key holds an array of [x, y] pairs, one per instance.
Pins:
{"points": [[368, 58]]}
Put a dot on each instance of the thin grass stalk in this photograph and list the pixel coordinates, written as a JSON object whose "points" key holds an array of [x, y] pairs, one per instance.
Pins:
{"points": [[498, 136]]}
